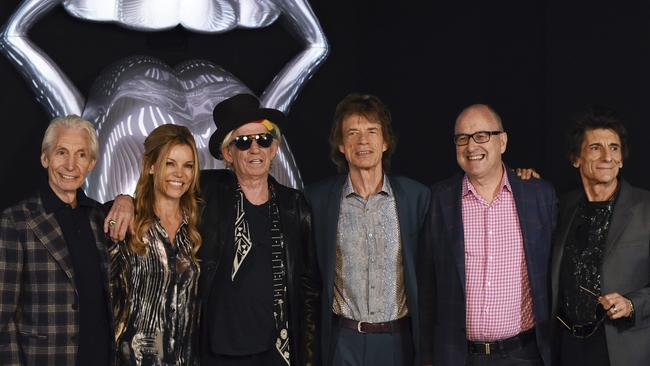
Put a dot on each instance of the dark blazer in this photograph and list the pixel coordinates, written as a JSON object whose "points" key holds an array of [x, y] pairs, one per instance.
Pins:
{"points": [[218, 189], [441, 266], [412, 199], [38, 313], [625, 269]]}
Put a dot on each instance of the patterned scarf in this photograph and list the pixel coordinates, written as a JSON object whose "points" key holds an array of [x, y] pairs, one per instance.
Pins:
{"points": [[243, 245]]}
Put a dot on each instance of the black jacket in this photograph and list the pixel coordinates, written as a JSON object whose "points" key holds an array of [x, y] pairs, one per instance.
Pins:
{"points": [[218, 190]]}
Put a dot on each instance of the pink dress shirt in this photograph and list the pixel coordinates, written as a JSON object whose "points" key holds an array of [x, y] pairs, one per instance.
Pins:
{"points": [[499, 301]]}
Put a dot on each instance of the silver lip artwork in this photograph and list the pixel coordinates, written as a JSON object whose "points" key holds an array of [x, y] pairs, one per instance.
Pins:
{"points": [[135, 95]]}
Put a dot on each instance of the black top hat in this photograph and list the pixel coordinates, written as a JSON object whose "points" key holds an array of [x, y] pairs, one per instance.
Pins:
{"points": [[235, 112]]}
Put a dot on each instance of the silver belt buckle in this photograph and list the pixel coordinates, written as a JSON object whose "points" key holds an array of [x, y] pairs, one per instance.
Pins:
{"points": [[359, 327]]}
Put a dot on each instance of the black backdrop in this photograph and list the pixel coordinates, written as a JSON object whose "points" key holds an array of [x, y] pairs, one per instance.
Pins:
{"points": [[538, 63]]}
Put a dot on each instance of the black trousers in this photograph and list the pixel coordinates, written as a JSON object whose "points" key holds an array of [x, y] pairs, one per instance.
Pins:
{"points": [[372, 349], [525, 356], [590, 351]]}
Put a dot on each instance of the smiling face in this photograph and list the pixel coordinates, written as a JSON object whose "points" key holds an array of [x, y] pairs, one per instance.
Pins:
{"points": [[255, 162], [177, 173], [68, 161], [480, 161], [362, 143], [600, 157]]}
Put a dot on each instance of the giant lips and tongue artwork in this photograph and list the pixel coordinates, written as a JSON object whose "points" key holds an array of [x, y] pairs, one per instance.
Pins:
{"points": [[135, 95]]}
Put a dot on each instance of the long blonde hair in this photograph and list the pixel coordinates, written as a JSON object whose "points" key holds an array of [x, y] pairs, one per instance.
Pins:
{"points": [[157, 147]]}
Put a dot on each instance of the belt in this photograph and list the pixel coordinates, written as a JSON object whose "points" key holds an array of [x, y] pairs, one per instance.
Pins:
{"points": [[503, 346], [392, 326]]}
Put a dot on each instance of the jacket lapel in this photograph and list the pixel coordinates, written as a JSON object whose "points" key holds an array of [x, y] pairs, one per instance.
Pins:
{"points": [[49, 233], [567, 215], [402, 217], [520, 202], [620, 217], [454, 219]]}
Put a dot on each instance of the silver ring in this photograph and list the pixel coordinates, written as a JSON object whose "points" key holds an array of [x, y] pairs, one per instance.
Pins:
{"points": [[614, 309], [111, 222]]}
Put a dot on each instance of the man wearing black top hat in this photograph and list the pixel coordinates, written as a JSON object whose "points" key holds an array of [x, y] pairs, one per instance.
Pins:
{"points": [[257, 287]]}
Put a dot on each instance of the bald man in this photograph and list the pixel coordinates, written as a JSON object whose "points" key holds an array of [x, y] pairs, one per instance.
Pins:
{"points": [[484, 256]]}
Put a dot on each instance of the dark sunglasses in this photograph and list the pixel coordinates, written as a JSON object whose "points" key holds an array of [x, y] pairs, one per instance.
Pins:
{"points": [[244, 142]]}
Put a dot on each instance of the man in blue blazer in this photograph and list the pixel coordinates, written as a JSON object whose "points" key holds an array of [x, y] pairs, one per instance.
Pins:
{"points": [[484, 256], [366, 227]]}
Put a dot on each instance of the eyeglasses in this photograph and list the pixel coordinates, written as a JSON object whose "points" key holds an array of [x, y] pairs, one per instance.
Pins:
{"points": [[480, 137], [583, 331], [244, 142]]}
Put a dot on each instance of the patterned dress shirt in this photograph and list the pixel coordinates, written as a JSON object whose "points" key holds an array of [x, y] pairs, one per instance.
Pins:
{"points": [[499, 301], [369, 278]]}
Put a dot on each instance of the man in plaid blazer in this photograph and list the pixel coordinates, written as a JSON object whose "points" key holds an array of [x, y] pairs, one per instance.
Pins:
{"points": [[54, 302]]}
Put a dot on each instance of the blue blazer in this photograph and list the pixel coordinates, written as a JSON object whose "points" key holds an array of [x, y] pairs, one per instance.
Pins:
{"points": [[441, 266], [412, 200]]}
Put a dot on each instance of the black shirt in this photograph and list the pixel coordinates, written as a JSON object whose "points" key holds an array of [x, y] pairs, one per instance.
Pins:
{"points": [[92, 301], [244, 307], [580, 271]]}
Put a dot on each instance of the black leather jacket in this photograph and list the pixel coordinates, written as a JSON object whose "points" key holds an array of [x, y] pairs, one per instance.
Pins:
{"points": [[218, 191]]}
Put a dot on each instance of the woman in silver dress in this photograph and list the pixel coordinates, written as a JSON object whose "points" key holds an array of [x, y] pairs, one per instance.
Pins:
{"points": [[154, 273]]}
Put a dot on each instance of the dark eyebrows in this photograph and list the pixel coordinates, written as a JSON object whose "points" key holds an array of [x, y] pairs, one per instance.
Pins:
{"points": [[172, 160], [612, 144]]}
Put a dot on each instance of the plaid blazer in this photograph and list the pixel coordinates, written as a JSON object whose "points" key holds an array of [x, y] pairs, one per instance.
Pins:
{"points": [[38, 299]]}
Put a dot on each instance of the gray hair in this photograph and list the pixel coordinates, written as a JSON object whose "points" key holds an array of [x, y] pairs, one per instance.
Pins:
{"points": [[70, 121]]}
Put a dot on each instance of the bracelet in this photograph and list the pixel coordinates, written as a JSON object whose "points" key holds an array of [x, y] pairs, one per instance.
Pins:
{"points": [[631, 307]]}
